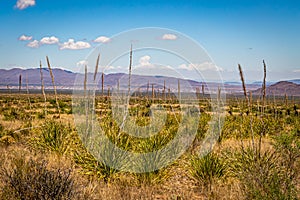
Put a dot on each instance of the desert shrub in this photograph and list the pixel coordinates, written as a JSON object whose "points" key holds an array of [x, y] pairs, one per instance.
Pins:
{"points": [[11, 114], [267, 125], [41, 115], [7, 140], [207, 169], [64, 106], [153, 177], [52, 102], [203, 125], [16, 114], [261, 175], [240, 126], [151, 163], [32, 179], [54, 136], [1, 129], [8, 137], [92, 167], [89, 164], [287, 145]]}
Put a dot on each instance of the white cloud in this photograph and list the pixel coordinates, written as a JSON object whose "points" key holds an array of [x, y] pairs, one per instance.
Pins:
{"points": [[186, 67], [82, 63], [111, 68], [145, 61], [72, 45], [102, 39], [206, 66], [25, 38], [22, 4], [49, 40], [297, 71], [169, 37], [33, 44]]}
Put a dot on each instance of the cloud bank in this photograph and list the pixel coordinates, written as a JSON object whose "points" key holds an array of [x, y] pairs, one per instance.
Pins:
{"points": [[23, 4], [72, 45], [33, 44], [49, 40], [102, 39], [169, 37], [206, 66], [25, 38]]}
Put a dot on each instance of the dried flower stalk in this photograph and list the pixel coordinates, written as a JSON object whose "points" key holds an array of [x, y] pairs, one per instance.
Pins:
{"points": [[53, 83]]}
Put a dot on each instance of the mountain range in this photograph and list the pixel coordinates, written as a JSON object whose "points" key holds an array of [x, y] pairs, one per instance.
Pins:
{"points": [[65, 79], [281, 88]]}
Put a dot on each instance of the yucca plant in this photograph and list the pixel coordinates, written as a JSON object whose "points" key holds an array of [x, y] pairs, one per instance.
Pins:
{"points": [[153, 177], [288, 147], [101, 159], [92, 167], [261, 174], [54, 136], [151, 161], [207, 169]]}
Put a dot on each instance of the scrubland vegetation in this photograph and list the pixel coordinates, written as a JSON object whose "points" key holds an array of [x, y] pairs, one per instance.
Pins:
{"points": [[46, 155], [257, 155]]}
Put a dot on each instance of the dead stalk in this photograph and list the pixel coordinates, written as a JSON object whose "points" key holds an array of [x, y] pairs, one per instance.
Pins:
{"points": [[264, 85], [8, 88], [118, 87], [53, 83], [20, 83], [128, 92], [179, 94], [243, 83], [27, 91], [43, 88], [153, 94], [148, 85], [263, 103], [198, 93], [164, 91], [248, 103], [251, 100], [286, 100], [130, 68], [102, 83], [96, 68], [85, 81]]}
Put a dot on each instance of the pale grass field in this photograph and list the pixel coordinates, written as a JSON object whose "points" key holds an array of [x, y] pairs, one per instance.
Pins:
{"points": [[176, 184]]}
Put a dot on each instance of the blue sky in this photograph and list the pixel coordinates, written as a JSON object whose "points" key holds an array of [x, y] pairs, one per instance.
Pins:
{"points": [[231, 31]]}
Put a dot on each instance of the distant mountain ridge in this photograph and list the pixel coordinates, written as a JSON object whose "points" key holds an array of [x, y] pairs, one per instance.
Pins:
{"points": [[297, 81], [281, 88], [11, 77], [65, 79]]}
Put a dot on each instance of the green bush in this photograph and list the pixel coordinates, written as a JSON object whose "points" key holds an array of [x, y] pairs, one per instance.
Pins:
{"points": [[203, 125], [152, 178], [261, 174], [54, 136], [207, 169], [16, 114]]}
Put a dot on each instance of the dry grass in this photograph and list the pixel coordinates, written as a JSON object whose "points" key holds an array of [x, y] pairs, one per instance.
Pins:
{"points": [[178, 185]]}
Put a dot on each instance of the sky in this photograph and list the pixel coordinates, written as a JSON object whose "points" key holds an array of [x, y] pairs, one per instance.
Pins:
{"points": [[232, 32]]}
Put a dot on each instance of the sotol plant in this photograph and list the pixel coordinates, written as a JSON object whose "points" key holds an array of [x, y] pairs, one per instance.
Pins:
{"points": [[207, 169]]}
